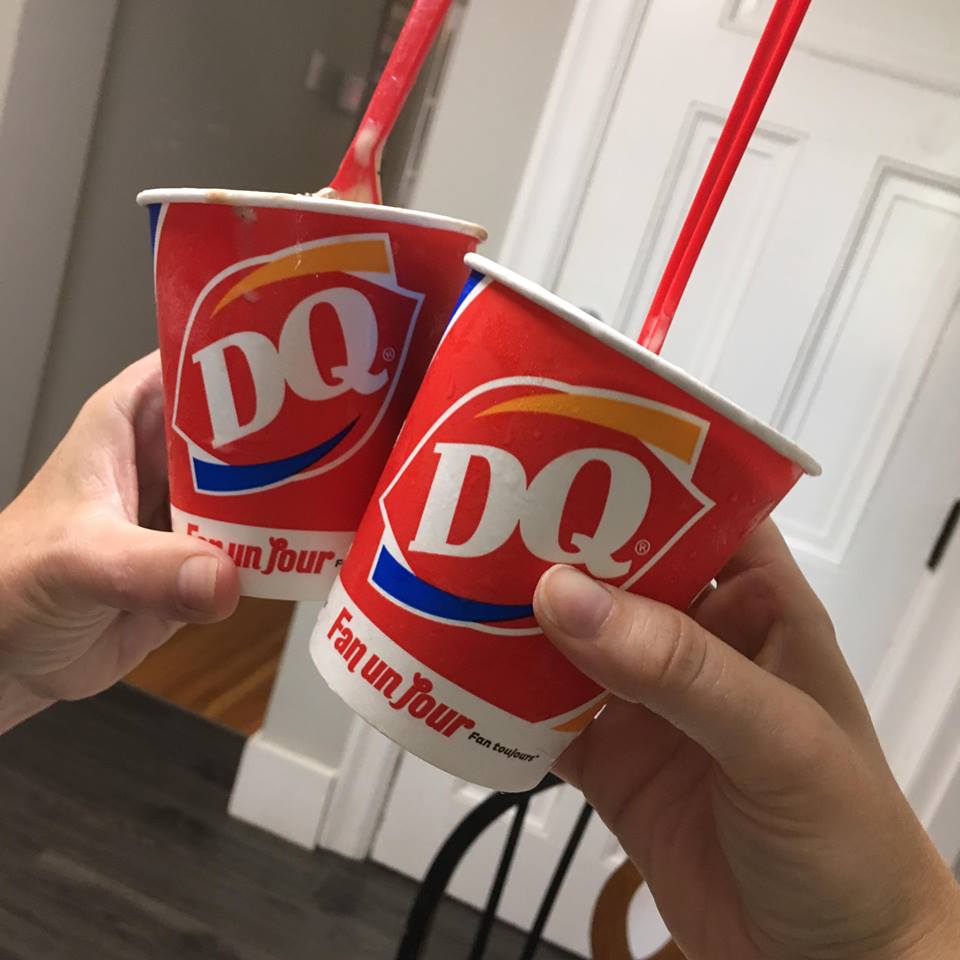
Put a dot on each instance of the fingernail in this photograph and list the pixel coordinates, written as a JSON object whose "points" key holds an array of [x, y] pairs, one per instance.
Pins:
{"points": [[197, 582], [575, 603]]}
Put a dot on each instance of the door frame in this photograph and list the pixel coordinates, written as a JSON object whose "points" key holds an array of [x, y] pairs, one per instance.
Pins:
{"points": [[567, 143], [915, 701], [570, 135], [46, 126]]}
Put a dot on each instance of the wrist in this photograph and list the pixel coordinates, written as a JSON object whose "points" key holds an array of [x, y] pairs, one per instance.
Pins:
{"points": [[17, 702], [937, 937]]}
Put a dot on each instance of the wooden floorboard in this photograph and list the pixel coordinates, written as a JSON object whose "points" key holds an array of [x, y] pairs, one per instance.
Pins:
{"points": [[115, 845], [223, 671]]}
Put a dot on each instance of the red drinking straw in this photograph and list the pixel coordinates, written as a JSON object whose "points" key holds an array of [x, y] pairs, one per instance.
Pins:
{"points": [[775, 43]]}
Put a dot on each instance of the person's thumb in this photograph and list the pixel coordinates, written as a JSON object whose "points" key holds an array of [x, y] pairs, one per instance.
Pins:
{"points": [[755, 725], [170, 575]]}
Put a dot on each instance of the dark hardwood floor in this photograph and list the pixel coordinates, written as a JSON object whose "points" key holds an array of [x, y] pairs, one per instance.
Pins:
{"points": [[115, 845]]}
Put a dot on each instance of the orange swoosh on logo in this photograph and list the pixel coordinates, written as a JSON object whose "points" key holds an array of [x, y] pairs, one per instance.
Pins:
{"points": [[351, 256], [582, 720], [659, 428]]}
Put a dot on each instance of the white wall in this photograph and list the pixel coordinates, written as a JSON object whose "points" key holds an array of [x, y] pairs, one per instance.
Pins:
{"points": [[289, 766], [304, 716], [471, 167]]}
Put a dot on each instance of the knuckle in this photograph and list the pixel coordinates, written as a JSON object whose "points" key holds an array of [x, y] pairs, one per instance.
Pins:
{"points": [[812, 740], [57, 571], [821, 622], [102, 411], [88, 559], [675, 653], [94, 406], [124, 586], [809, 609], [66, 547]]}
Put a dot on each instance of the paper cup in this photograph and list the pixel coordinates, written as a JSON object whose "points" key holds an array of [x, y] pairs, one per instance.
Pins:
{"points": [[539, 436], [294, 332]]}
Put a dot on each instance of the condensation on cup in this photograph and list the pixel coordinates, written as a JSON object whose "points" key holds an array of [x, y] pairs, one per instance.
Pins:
{"points": [[294, 332], [539, 436]]}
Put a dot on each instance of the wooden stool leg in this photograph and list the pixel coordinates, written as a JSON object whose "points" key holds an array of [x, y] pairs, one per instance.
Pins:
{"points": [[608, 929]]}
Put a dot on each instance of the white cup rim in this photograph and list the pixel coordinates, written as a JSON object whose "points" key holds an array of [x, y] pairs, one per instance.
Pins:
{"points": [[653, 362], [310, 202]]}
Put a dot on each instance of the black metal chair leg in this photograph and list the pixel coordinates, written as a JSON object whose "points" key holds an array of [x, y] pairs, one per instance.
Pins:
{"points": [[556, 881], [499, 881], [431, 891]]}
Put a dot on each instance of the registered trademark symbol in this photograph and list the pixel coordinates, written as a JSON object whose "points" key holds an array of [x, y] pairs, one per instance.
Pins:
{"points": [[389, 354], [642, 548]]}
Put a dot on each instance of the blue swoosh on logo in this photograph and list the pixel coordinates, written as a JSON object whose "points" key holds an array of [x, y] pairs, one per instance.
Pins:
{"points": [[474, 278], [406, 587], [235, 478], [154, 211]]}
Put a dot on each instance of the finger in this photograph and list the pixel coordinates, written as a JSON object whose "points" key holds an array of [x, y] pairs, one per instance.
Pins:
{"points": [[101, 447], [128, 387], [702, 597], [151, 455], [126, 391], [758, 586], [125, 421], [740, 612], [765, 559], [750, 721], [765, 608], [765, 547], [626, 737], [126, 567]]}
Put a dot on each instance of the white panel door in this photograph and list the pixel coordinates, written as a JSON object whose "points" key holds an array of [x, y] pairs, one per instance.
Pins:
{"points": [[822, 303], [832, 270]]}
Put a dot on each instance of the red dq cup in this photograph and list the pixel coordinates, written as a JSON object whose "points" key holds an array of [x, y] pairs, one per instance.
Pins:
{"points": [[539, 436], [294, 332]]}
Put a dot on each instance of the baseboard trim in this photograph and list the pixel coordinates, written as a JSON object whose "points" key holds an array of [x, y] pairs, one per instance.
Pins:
{"points": [[281, 792], [359, 796]]}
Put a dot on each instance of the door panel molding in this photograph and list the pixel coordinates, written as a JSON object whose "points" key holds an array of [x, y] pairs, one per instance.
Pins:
{"points": [[907, 54], [359, 794], [860, 364], [770, 159]]}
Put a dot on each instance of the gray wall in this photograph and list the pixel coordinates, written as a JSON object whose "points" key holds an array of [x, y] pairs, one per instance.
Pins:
{"points": [[51, 67], [10, 11], [204, 93]]}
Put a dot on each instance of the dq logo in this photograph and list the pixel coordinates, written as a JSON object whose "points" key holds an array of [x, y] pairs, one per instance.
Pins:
{"points": [[289, 362], [511, 479]]}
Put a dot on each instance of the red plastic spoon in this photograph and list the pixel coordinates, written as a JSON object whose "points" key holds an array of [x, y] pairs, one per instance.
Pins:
{"points": [[775, 43], [359, 175]]}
